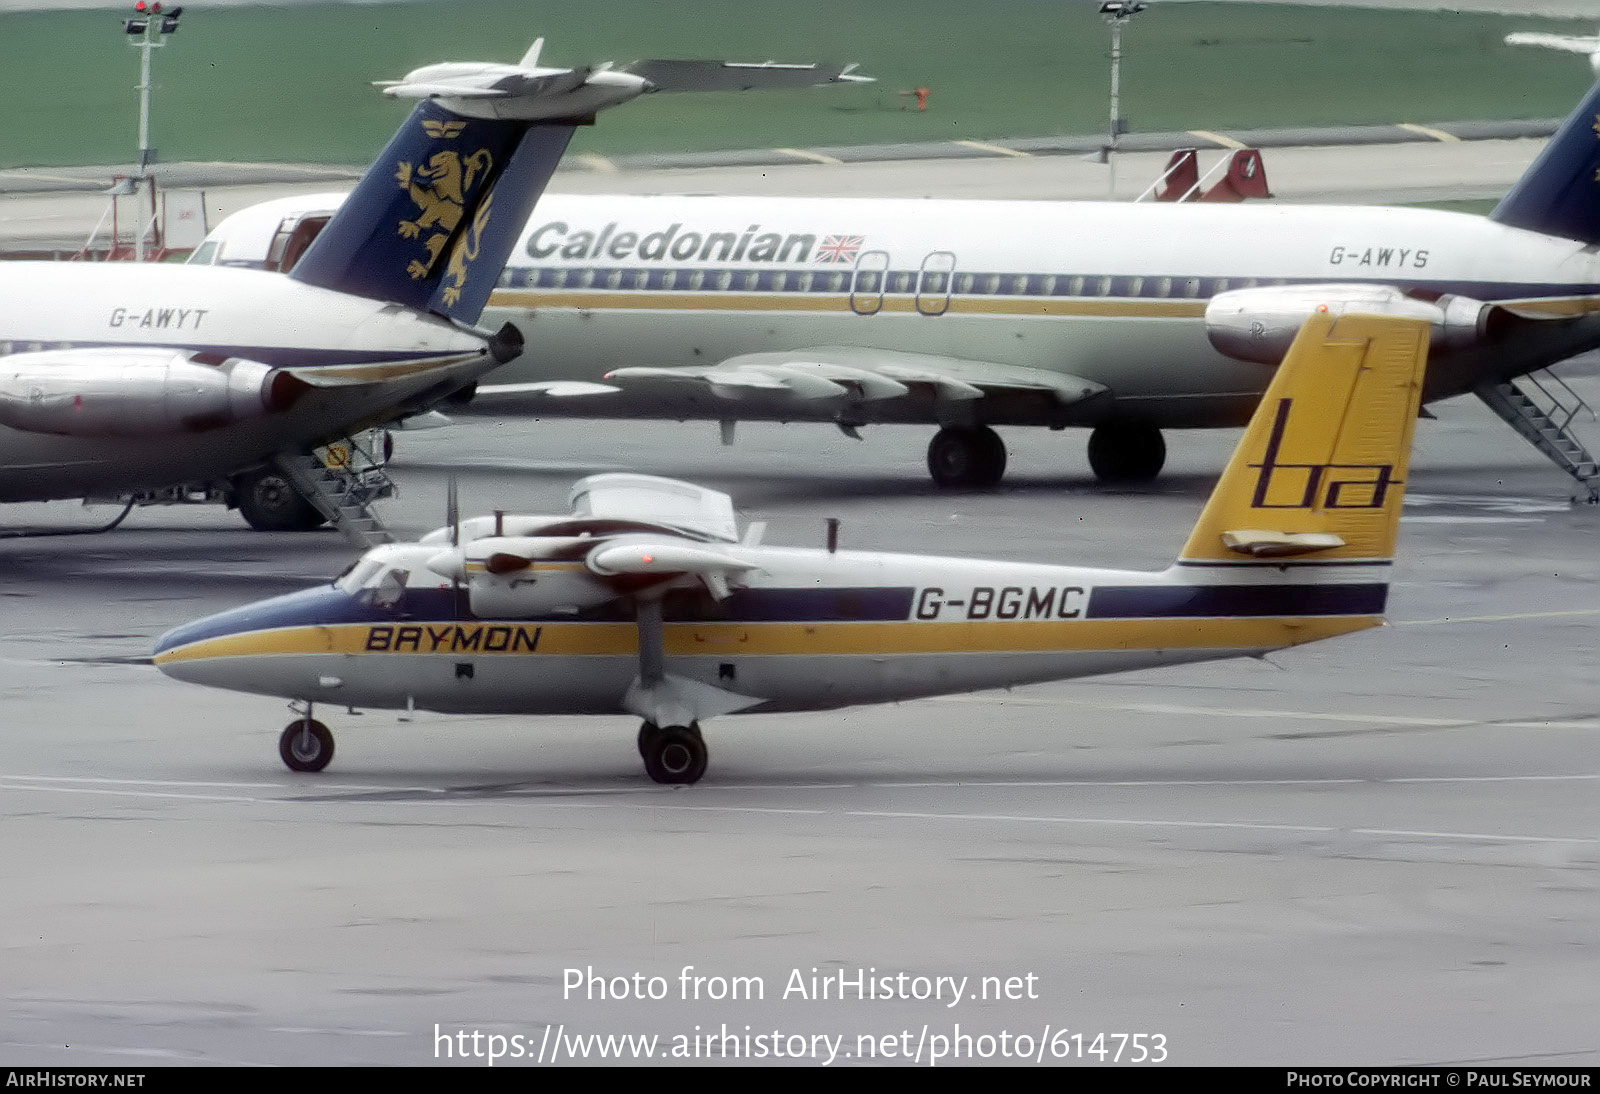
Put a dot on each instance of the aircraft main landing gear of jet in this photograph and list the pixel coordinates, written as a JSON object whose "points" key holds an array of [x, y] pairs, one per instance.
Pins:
{"points": [[1126, 452], [269, 502], [306, 744], [674, 754], [967, 458]]}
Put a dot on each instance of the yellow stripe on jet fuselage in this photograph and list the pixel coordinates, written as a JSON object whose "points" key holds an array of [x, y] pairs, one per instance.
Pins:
{"points": [[862, 639]]}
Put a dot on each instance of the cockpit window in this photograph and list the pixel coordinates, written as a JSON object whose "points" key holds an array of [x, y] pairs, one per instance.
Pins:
{"points": [[390, 589], [204, 254]]}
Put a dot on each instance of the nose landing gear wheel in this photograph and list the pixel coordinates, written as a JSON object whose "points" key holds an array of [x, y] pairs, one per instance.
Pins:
{"points": [[674, 754], [305, 745], [967, 459]]}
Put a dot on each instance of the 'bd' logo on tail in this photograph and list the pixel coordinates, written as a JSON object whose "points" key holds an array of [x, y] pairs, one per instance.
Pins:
{"points": [[439, 189], [1310, 485]]}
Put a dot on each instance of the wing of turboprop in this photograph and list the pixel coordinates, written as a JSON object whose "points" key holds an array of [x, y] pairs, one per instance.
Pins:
{"points": [[625, 533], [836, 372]]}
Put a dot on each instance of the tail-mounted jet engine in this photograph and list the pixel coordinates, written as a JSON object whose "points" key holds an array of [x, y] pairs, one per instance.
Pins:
{"points": [[1260, 324], [136, 393]]}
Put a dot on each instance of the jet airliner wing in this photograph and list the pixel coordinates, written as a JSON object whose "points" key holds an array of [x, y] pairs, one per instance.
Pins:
{"points": [[826, 372]]}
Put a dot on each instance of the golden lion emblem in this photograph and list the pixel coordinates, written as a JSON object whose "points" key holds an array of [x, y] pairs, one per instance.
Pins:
{"points": [[464, 253], [439, 189]]}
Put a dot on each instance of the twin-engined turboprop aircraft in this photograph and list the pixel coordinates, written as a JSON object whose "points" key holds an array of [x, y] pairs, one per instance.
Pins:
{"points": [[1123, 318], [644, 598], [120, 377]]}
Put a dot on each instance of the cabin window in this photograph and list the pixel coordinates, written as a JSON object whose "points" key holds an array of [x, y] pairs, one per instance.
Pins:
{"points": [[1163, 286], [901, 281]]}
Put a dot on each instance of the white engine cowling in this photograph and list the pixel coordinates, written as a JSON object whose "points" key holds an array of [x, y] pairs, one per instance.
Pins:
{"points": [[1260, 324], [522, 577], [135, 392]]}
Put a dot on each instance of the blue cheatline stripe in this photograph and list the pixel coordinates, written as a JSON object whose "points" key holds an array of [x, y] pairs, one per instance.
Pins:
{"points": [[825, 280], [1189, 601], [326, 605]]}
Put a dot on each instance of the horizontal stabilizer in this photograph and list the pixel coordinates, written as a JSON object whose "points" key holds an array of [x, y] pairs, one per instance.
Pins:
{"points": [[1263, 544], [1567, 43], [740, 75]]}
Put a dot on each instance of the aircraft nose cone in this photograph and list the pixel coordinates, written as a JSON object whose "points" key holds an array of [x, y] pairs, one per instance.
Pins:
{"points": [[206, 638]]}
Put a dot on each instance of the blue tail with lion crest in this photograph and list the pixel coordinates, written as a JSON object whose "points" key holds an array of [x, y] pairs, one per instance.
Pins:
{"points": [[432, 222]]}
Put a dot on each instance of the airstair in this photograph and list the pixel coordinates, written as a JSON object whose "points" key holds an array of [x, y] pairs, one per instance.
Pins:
{"points": [[1541, 406], [341, 481]]}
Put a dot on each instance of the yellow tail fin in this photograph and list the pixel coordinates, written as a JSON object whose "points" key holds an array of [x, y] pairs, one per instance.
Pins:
{"points": [[1321, 470]]}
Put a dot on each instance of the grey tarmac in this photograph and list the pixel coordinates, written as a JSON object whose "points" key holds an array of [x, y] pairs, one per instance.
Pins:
{"points": [[1377, 850]]}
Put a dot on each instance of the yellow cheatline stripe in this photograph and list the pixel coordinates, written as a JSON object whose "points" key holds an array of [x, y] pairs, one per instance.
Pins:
{"points": [[595, 162], [366, 373], [779, 639], [725, 301], [1429, 131], [1225, 142], [997, 149], [813, 157]]}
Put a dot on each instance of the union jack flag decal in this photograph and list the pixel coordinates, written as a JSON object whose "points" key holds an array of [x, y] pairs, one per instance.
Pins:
{"points": [[839, 248]]}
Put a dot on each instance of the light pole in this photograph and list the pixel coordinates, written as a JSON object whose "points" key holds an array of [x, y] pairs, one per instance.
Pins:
{"points": [[1116, 13], [145, 31]]}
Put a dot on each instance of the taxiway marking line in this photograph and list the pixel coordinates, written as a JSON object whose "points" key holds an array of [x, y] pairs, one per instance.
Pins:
{"points": [[1225, 142], [1429, 131], [813, 157], [1494, 618], [1247, 712], [997, 149], [595, 162], [1135, 822]]}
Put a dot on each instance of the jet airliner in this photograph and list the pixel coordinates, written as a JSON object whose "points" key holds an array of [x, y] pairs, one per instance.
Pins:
{"points": [[1124, 319]]}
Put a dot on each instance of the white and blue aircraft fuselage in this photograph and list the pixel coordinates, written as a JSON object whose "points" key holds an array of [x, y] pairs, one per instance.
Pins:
{"points": [[645, 599]]}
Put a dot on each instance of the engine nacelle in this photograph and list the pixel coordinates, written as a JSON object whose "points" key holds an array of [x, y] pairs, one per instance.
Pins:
{"points": [[522, 577], [135, 392], [1261, 324]]}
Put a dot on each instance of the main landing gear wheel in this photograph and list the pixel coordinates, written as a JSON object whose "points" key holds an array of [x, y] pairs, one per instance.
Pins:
{"points": [[269, 502], [967, 458], [306, 745], [674, 754], [1121, 452]]}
